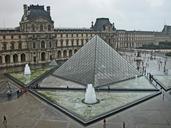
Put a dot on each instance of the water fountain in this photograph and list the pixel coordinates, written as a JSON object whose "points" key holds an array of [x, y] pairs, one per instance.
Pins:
{"points": [[90, 95], [27, 73], [136, 76], [27, 70]]}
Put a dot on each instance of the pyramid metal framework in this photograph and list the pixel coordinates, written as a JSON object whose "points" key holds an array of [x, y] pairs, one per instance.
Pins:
{"points": [[96, 63]]}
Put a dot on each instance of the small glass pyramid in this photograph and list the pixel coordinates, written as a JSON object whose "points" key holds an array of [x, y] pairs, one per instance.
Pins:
{"points": [[53, 63]]}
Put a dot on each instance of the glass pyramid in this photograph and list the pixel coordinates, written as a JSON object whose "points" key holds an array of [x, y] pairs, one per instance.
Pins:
{"points": [[96, 63], [53, 63]]}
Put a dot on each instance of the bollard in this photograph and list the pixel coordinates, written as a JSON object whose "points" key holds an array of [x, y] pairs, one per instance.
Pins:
{"points": [[123, 125]]}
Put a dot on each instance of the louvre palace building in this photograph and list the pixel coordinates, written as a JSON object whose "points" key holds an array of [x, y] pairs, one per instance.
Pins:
{"points": [[37, 41]]}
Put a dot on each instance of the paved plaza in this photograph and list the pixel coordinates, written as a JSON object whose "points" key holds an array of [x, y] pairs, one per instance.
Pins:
{"points": [[28, 111]]}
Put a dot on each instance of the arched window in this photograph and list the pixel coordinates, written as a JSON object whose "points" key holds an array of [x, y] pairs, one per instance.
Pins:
{"points": [[23, 57], [19, 45], [109, 41], [49, 27], [64, 53], [77, 42], [70, 53], [51, 57], [50, 44], [0, 59], [7, 59], [43, 56], [42, 44], [75, 50], [41, 27], [34, 58], [59, 54], [82, 42], [34, 45], [15, 58]]}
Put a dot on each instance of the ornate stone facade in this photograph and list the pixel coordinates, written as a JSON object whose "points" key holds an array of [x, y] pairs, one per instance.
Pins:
{"points": [[36, 40]]}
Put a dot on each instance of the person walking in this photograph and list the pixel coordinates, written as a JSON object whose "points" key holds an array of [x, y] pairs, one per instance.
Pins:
{"points": [[5, 122], [104, 123]]}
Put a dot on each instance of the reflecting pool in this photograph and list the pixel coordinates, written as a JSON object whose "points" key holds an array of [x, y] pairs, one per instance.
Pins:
{"points": [[28, 78], [110, 102]]}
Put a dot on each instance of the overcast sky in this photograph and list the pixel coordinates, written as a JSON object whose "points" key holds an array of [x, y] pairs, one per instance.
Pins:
{"points": [[126, 14]]}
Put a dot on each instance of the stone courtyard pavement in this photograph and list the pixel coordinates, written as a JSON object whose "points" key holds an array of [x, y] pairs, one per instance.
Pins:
{"points": [[28, 111]]}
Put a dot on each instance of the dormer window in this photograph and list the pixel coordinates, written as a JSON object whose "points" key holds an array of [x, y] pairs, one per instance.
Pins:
{"points": [[49, 27], [41, 27], [28, 13], [42, 44], [34, 45], [33, 27], [19, 45]]}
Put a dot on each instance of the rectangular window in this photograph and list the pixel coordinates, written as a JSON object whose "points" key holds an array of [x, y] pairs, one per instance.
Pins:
{"points": [[19, 45], [34, 45], [34, 59], [12, 46], [4, 46]]}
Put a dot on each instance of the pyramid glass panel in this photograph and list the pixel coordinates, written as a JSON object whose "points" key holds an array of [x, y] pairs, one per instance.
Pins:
{"points": [[164, 81], [96, 63]]}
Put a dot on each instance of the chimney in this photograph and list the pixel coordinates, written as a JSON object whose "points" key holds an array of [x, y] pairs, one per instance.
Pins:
{"points": [[113, 27], [48, 9], [92, 25], [25, 9]]}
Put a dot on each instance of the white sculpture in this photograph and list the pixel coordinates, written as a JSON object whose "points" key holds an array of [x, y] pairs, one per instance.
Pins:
{"points": [[90, 95], [27, 70]]}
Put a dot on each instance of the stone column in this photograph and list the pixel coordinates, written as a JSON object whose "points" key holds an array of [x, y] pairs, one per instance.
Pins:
{"points": [[3, 59], [62, 55], [73, 52], [11, 59], [39, 57], [26, 59], [19, 58], [67, 53]]}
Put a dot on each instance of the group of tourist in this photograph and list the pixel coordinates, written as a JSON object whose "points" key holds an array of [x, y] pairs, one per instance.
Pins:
{"points": [[19, 92]]}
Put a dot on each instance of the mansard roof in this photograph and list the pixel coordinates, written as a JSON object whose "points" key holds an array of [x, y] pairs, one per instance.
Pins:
{"points": [[167, 29], [35, 12], [73, 30], [101, 23]]}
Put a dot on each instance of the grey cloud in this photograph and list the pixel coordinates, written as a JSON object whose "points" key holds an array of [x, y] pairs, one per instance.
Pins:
{"points": [[127, 14]]}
